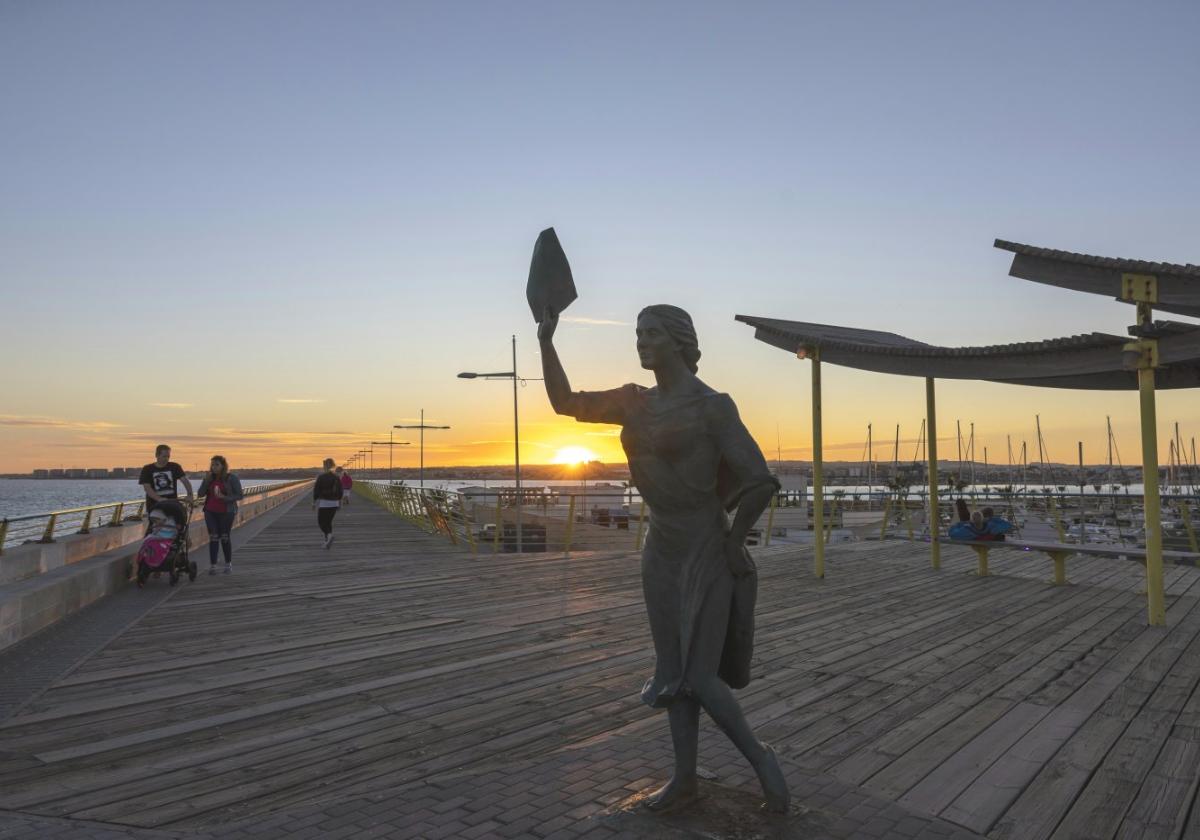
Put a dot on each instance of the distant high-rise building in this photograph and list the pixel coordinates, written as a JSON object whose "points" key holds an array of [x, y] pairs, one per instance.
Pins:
{"points": [[57, 472], [97, 472], [75, 472], [41, 473]]}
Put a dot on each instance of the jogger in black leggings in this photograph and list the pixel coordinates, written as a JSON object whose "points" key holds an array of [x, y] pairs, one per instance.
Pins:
{"points": [[327, 498]]}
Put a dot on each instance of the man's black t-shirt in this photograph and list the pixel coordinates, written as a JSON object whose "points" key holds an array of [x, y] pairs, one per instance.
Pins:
{"points": [[162, 479]]}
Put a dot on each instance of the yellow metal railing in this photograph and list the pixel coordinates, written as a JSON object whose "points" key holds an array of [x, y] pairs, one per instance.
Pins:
{"points": [[46, 527]]}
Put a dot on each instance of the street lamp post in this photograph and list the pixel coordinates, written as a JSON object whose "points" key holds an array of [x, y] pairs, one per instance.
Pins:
{"points": [[422, 426], [510, 374], [389, 443]]}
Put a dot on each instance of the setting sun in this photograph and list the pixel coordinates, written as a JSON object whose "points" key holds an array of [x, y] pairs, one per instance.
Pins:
{"points": [[574, 455]]}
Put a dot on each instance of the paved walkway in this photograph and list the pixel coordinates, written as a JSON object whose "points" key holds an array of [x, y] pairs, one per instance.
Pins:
{"points": [[395, 686]]}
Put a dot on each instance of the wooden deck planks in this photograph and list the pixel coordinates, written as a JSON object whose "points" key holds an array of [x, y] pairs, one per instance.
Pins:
{"points": [[1003, 703]]}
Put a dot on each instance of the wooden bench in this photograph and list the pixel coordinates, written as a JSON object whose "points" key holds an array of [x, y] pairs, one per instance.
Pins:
{"points": [[1059, 552]]}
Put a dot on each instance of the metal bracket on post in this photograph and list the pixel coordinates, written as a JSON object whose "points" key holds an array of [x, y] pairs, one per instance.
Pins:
{"points": [[1141, 354], [1139, 288]]}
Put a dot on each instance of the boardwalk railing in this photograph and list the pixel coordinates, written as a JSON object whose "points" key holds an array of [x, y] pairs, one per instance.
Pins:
{"points": [[552, 519], [45, 527]]}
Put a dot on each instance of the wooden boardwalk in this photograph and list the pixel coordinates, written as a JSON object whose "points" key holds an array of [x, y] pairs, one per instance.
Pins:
{"points": [[394, 661]]}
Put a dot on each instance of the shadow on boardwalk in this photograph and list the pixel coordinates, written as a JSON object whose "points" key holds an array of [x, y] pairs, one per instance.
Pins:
{"points": [[395, 686]]}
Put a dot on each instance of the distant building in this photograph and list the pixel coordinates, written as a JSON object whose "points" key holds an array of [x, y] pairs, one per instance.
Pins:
{"points": [[58, 472], [41, 473], [75, 472], [97, 472]]}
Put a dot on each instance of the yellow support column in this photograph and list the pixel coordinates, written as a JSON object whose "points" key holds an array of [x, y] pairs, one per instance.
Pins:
{"points": [[770, 519], [1187, 525], [48, 534], [570, 525], [1154, 558], [641, 526], [818, 474], [499, 524], [935, 546], [1142, 289]]}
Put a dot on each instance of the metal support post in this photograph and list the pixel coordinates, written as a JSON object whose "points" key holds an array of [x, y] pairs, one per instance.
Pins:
{"points": [[570, 525], [935, 525], [818, 473]]}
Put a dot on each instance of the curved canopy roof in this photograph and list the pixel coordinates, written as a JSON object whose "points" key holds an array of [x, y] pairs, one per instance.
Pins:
{"points": [[1095, 361], [1178, 285]]}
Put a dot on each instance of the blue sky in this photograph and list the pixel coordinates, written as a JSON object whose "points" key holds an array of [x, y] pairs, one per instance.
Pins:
{"points": [[336, 202]]}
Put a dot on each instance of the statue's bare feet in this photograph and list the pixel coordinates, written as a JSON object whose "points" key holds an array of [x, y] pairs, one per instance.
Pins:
{"points": [[673, 794], [774, 783]]}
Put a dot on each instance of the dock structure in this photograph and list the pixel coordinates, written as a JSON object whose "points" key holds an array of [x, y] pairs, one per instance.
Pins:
{"points": [[397, 685]]}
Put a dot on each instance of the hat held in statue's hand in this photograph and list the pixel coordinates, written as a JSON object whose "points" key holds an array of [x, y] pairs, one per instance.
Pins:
{"points": [[550, 285]]}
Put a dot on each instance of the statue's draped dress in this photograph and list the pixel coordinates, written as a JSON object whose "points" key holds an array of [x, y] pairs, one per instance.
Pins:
{"points": [[692, 460]]}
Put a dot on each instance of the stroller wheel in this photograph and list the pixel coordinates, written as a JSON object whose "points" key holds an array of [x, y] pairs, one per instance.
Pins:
{"points": [[192, 570]]}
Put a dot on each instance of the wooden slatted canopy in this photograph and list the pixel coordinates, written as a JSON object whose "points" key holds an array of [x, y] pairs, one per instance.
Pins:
{"points": [[1178, 285], [1159, 355], [1094, 361]]}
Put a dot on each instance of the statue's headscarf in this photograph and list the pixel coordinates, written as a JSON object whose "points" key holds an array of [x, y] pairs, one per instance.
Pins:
{"points": [[678, 325]]}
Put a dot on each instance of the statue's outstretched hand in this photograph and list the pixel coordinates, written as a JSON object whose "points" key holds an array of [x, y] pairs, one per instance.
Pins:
{"points": [[547, 325], [738, 559]]}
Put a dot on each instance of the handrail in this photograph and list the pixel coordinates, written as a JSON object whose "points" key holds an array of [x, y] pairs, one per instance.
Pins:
{"points": [[81, 520], [485, 520]]}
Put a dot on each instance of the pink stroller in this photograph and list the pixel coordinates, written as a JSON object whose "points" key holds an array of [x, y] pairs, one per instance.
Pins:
{"points": [[165, 548]]}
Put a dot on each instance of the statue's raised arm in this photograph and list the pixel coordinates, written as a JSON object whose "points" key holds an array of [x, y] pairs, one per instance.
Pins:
{"points": [[558, 387]]}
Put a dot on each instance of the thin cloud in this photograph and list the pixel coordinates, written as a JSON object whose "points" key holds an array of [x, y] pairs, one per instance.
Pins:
{"points": [[299, 401], [594, 322], [40, 422], [171, 405]]}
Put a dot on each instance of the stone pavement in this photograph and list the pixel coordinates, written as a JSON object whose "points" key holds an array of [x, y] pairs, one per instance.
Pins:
{"points": [[397, 686]]}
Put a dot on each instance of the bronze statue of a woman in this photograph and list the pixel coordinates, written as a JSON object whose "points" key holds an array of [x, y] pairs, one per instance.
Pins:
{"points": [[692, 460]]}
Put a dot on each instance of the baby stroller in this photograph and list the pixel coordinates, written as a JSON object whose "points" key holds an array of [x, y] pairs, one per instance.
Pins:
{"points": [[165, 548]]}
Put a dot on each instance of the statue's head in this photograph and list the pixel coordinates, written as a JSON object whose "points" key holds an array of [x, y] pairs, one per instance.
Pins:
{"points": [[664, 330]]}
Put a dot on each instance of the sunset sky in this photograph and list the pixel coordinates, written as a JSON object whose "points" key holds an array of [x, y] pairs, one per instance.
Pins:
{"points": [[274, 229]]}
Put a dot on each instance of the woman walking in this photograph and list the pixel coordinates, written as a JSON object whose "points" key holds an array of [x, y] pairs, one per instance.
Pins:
{"points": [[327, 498], [693, 460], [221, 491]]}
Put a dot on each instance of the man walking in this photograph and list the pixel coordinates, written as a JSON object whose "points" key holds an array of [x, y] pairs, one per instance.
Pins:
{"points": [[160, 479]]}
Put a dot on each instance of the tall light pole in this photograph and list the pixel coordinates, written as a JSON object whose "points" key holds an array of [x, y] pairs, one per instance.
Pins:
{"points": [[422, 426], [510, 374], [389, 443]]}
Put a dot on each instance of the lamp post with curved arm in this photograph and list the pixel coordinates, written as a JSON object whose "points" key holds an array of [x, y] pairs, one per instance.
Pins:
{"points": [[510, 374]]}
